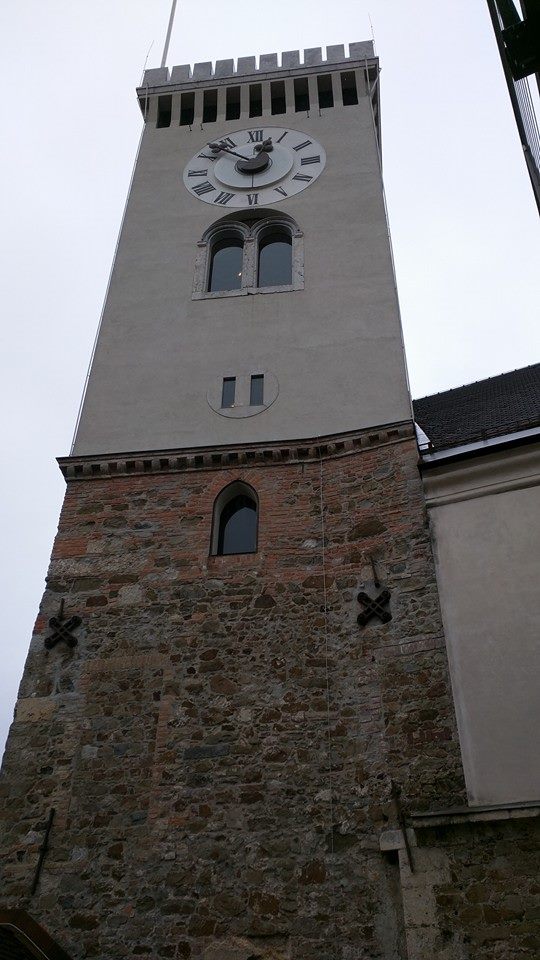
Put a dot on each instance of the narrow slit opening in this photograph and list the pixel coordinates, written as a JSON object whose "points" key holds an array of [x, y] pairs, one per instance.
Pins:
{"points": [[164, 111], [227, 393], [209, 106], [256, 391], [324, 89], [232, 106], [187, 109], [348, 89], [277, 97], [255, 100], [301, 94]]}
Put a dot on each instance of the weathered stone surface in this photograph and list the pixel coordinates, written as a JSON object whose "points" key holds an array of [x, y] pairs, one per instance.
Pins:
{"points": [[220, 744]]}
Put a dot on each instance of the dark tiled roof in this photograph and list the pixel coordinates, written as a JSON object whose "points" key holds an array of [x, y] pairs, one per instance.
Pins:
{"points": [[479, 411]]}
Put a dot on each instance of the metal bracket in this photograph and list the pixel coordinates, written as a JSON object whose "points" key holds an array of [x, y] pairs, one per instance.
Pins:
{"points": [[43, 851], [374, 607], [62, 629]]}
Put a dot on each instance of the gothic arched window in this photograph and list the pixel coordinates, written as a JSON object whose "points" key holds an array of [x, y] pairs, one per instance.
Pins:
{"points": [[235, 520], [275, 259], [226, 260]]}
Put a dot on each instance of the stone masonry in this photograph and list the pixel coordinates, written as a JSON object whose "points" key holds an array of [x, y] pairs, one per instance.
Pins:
{"points": [[219, 745]]}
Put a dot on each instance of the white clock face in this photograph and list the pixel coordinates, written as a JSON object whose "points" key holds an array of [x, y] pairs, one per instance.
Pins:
{"points": [[253, 168]]}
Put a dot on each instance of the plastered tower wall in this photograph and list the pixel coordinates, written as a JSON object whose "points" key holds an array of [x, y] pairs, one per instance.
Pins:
{"points": [[335, 347]]}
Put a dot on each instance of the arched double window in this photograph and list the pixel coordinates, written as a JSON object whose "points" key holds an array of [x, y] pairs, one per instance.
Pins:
{"points": [[256, 254], [235, 522]]}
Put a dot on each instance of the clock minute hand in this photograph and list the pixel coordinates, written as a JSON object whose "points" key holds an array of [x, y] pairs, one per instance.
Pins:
{"points": [[216, 147]]}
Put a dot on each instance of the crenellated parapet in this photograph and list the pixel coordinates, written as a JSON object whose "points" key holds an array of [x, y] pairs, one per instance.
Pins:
{"points": [[269, 63]]}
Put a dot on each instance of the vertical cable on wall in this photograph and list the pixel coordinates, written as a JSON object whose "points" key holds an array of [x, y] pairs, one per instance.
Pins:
{"points": [[327, 679]]}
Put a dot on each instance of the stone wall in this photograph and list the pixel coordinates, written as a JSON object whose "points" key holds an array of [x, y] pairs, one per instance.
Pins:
{"points": [[473, 893], [220, 744]]}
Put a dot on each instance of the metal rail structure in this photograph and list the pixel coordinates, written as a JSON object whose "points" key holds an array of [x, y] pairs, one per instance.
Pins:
{"points": [[518, 38]]}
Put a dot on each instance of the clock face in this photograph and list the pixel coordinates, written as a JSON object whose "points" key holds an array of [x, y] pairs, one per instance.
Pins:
{"points": [[253, 168]]}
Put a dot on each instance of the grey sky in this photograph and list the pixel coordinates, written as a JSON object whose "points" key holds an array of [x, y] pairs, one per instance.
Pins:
{"points": [[464, 223]]}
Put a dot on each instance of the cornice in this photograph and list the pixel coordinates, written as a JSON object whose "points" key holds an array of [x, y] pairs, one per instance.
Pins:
{"points": [[491, 472], [182, 460]]}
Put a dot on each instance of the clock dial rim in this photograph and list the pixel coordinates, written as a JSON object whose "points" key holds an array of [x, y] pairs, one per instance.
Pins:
{"points": [[306, 160]]}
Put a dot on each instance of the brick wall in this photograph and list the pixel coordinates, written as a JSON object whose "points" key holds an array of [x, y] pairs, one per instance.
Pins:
{"points": [[218, 749]]}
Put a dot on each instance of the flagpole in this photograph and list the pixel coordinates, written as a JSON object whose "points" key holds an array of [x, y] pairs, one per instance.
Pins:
{"points": [[169, 31]]}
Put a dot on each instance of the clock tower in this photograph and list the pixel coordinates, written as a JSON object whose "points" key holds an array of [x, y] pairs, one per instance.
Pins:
{"points": [[238, 666]]}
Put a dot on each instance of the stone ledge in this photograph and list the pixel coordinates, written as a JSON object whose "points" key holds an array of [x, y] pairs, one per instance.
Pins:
{"points": [[479, 814], [392, 839], [244, 455]]}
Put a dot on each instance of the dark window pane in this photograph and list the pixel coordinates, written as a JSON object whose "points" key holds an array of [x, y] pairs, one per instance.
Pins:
{"points": [[324, 87], [255, 100], [164, 111], [238, 526], [187, 109], [277, 97], [348, 89], [301, 94], [256, 392], [209, 106], [275, 260], [228, 391], [226, 266], [232, 108]]}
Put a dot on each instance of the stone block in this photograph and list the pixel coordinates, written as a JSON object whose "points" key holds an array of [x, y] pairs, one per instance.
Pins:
{"points": [[312, 56], [290, 59], [362, 50], [268, 61], [335, 53], [181, 73], [155, 77], [202, 71], [224, 68], [246, 65], [35, 709]]}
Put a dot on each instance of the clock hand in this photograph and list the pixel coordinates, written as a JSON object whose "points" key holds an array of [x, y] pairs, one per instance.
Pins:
{"points": [[216, 147]]}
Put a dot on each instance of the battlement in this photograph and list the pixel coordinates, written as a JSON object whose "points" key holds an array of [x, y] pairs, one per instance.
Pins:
{"points": [[268, 63]]}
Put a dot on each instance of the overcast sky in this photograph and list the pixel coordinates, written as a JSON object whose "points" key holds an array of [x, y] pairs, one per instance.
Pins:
{"points": [[464, 223]]}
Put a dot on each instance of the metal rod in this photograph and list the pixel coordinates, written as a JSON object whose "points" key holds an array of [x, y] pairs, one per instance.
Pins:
{"points": [[376, 580], [396, 797], [169, 31], [43, 851]]}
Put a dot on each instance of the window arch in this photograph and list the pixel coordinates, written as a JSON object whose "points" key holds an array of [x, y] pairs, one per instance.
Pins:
{"points": [[247, 253], [235, 521]]}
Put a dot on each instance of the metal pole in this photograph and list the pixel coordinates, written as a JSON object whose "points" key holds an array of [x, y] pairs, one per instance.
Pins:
{"points": [[169, 31]]}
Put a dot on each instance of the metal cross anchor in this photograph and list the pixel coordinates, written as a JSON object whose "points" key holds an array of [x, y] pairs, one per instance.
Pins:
{"points": [[374, 608], [62, 629]]}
